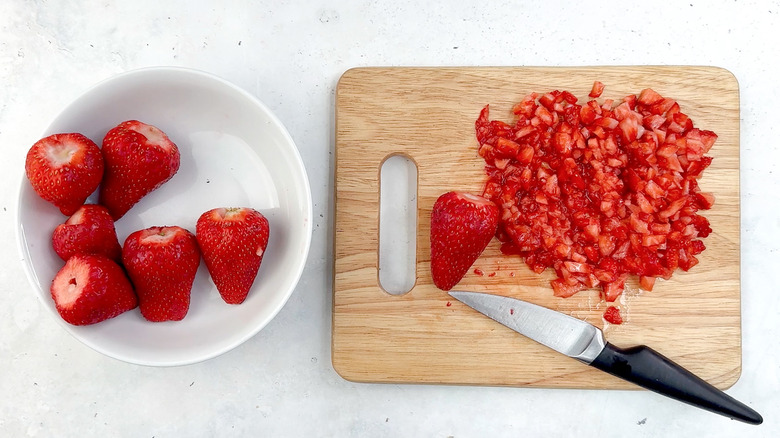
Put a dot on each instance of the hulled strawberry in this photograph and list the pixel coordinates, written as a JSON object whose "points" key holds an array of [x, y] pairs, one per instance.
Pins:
{"points": [[90, 230], [90, 289], [162, 262], [462, 225], [233, 242], [64, 169], [139, 159]]}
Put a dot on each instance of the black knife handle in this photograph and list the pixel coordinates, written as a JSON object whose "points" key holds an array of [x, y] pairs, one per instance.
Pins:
{"points": [[651, 370]]}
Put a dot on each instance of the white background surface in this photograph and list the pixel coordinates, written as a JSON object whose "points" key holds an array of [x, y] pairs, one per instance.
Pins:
{"points": [[290, 55]]}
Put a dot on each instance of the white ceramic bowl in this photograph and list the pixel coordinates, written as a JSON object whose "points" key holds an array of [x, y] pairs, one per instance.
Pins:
{"points": [[234, 152]]}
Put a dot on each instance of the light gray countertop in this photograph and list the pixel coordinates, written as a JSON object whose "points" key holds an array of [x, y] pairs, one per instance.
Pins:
{"points": [[290, 54]]}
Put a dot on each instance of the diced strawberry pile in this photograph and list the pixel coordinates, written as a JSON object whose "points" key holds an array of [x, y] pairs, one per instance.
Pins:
{"points": [[600, 190]]}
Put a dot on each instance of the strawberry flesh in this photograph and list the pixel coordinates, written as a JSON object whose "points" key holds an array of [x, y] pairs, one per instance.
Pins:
{"points": [[233, 242], [64, 169], [606, 190], [612, 315], [90, 289], [462, 226], [162, 263], [139, 159], [90, 230], [596, 90]]}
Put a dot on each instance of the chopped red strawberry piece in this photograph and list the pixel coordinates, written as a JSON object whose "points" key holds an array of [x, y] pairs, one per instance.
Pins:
{"points": [[649, 97], [612, 315], [564, 290], [646, 282], [613, 289], [506, 147], [597, 89], [548, 100], [704, 201]]}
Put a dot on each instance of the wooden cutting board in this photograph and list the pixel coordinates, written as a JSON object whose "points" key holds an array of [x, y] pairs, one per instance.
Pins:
{"points": [[424, 336]]}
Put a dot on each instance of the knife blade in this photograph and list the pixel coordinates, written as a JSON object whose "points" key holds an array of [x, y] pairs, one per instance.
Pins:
{"points": [[585, 342]]}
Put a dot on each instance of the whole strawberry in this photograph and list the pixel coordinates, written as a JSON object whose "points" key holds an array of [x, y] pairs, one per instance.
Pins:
{"points": [[90, 289], [90, 230], [233, 242], [64, 169], [162, 262], [139, 159], [462, 225]]}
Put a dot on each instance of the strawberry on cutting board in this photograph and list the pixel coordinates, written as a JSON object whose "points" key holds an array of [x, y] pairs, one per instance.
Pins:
{"points": [[90, 289], [462, 225], [139, 159], [233, 242], [64, 169], [90, 230], [162, 263]]}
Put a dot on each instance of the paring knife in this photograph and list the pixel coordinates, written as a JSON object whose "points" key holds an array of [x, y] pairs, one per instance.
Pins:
{"points": [[585, 342]]}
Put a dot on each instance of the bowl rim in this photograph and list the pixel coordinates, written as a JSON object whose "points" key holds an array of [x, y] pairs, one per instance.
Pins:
{"points": [[307, 204]]}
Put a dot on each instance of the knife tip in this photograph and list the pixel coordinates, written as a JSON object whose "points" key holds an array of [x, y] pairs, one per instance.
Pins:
{"points": [[457, 294]]}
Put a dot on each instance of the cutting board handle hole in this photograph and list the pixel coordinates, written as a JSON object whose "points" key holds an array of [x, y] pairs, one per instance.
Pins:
{"points": [[397, 224]]}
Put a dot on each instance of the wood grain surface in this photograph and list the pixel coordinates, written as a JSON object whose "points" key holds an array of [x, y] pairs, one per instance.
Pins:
{"points": [[424, 336]]}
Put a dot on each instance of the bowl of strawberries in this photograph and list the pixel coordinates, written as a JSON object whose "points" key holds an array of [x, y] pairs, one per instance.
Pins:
{"points": [[165, 217]]}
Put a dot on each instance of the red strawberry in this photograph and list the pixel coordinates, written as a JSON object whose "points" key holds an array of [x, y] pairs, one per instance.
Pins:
{"points": [[162, 262], [233, 241], [89, 231], [612, 315], [64, 169], [91, 288], [462, 225], [139, 159]]}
